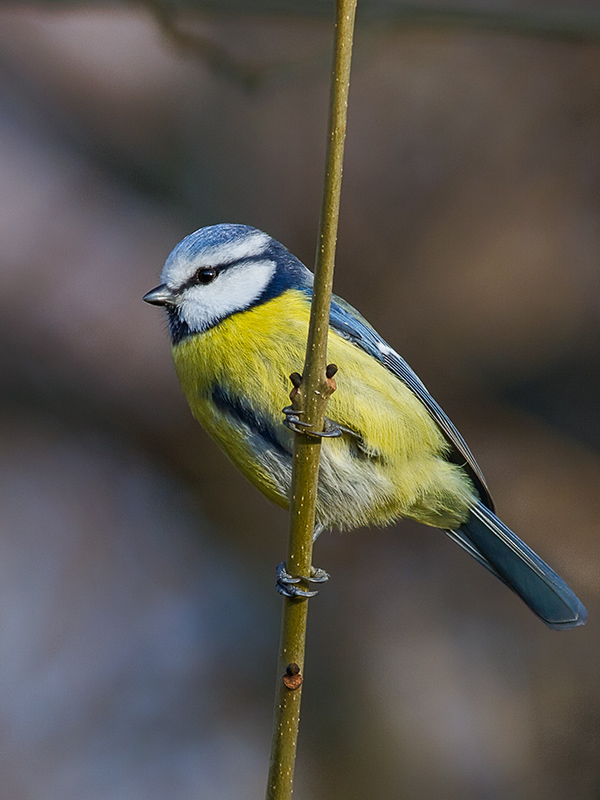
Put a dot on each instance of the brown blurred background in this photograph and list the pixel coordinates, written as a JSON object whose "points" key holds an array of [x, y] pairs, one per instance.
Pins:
{"points": [[138, 618]]}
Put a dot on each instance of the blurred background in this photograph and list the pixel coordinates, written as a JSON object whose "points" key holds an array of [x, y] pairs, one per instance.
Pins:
{"points": [[138, 618]]}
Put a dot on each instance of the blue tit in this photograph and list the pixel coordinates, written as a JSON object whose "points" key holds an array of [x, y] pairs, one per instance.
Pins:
{"points": [[238, 305]]}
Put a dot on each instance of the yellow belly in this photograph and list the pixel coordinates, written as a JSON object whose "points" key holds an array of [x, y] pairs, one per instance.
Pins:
{"points": [[250, 356]]}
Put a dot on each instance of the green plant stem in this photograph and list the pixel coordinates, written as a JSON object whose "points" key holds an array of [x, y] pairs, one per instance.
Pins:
{"points": [[312, 400]]}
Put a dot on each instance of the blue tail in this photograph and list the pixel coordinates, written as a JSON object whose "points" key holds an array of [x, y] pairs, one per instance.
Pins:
{"points": [[491, 543]]}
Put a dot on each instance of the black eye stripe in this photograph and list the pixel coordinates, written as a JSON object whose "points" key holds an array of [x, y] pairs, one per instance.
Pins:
{"points": [[196, 279], [193, 281]]}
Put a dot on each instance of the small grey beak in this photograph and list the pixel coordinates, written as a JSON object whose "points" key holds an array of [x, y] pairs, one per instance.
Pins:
{"points": [[161, 296]]}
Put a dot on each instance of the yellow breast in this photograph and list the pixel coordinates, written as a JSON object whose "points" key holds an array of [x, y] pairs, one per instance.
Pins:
{"points": [[250, 356]]}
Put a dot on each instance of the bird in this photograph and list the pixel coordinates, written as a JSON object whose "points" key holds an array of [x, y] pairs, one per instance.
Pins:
{"points": [[237, 304]]}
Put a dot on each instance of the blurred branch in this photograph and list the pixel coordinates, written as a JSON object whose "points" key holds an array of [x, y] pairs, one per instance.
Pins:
{"points": [[250, 75], [311, 393], [566, 22], [563, 24], [215, 56]]}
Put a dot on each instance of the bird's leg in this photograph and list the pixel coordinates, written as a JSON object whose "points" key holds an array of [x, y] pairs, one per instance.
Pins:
{"points": [[331, 429], [286, 584], [292, 420]]}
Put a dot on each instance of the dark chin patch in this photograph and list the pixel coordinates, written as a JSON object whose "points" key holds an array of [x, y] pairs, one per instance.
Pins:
{"points": [[178, 328]]}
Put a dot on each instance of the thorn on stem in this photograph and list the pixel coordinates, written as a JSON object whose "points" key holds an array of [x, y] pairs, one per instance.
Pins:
{"points": [[296, 379], [292, 679], [296, 392], [330, 371]]}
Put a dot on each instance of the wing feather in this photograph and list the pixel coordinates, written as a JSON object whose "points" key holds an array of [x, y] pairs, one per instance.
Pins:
{"points": [[352, 326]]}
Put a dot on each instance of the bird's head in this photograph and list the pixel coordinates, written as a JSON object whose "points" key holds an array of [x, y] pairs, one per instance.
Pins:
{"points": [[221, 270]]}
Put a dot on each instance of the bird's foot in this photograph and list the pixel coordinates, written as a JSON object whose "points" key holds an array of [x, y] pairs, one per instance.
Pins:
{"points": [[331, 429], [286, 584]]}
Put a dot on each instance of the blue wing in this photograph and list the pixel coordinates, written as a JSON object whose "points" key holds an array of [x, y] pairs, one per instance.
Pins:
{"points": [[483, 536], [352, 326]]}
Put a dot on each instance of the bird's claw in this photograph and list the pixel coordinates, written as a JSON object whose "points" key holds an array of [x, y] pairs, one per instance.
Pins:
{"points": [[286, 584], [331, 429], [317, 575], [293, 421]]}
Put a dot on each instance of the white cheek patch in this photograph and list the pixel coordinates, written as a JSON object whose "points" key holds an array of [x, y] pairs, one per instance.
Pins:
{"points": [[183, 262], [234, 289]]}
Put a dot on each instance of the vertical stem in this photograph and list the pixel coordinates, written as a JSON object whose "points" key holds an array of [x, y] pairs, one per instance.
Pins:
{"points": [[312, 398]]}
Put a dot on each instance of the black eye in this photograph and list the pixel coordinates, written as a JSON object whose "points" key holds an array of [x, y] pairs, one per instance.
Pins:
{"points": [[206, 275]]}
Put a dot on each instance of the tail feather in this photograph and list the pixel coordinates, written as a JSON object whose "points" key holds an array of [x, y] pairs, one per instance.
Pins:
{"points": [[496, 547]]}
